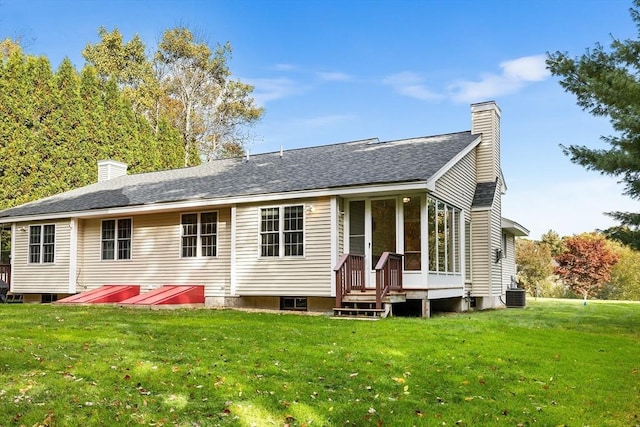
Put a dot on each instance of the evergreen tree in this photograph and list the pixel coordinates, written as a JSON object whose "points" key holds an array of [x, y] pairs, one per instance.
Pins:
{"points": [[55, 127], [607, 83]]}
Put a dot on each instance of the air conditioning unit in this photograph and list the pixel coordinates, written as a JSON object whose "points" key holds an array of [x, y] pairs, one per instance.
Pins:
{"points": [[516, 298]]}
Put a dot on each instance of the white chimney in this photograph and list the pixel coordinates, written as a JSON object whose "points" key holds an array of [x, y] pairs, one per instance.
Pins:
{"points": [[485, 120], [109, 169]]}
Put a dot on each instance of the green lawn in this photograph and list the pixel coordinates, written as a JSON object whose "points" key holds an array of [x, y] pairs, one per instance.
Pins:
{"points": [[553, 363]]}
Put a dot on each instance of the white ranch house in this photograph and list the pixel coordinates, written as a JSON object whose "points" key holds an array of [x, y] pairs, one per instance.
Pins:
{"points": [[296, 229]]}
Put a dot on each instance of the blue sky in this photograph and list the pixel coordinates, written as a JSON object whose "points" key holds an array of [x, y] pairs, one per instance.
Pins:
{"points": [[333, 71]]}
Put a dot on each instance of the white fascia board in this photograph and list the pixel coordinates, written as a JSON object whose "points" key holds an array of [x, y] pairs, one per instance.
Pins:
{"points": [[503, 187], [431, 183], [513, 227], [377, 189]]}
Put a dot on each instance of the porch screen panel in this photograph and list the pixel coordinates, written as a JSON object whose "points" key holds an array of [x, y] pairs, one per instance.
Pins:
{"points": [[412, 234], [456, 241], [450, 231], [441, 236], [432, 234], [356, 227], [383, 228]]}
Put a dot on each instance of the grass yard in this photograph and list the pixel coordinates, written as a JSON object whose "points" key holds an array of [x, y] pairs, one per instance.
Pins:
{"points": [[554, 363]]}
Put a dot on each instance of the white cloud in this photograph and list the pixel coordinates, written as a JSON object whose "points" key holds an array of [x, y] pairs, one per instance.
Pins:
{"points": [[334, 76], [527, 68], [516, 74], [266, 90], [410, 84]]}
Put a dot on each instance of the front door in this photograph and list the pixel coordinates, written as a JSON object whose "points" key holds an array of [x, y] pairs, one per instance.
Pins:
{"points": [[383, 228], [372, 231]]}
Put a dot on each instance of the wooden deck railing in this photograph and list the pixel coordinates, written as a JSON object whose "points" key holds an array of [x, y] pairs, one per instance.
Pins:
{"points": [[349, 276], [5, 273], [388, 275]]}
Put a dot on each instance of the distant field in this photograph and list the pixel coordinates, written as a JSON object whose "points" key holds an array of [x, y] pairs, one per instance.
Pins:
{"points": [[554, 363]]}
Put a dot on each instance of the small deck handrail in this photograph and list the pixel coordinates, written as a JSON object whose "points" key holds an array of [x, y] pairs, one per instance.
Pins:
{"points": [[5, 273], [388, 275], [349, 275]]}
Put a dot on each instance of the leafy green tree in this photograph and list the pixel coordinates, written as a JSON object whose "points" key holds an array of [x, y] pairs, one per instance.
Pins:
{"points": [[7, 47], [554, 241], [127, 63], [607, 83], [211, 108], [625, 276], [533, 261], [186, 84], [585, 265]]}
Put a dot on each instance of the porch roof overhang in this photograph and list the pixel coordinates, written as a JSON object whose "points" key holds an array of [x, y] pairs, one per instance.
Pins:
{"points": [[514, 228]]}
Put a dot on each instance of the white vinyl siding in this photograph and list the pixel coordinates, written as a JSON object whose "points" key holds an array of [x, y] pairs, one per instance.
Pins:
{"points": [[155, 258], [308, 275], [480, 248], [487, 122], [508, 261], [457, 186], [497, 287], [41, 277]]}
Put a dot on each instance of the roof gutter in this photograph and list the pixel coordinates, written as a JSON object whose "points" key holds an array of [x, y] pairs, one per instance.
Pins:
{"points": [[374, 189]]}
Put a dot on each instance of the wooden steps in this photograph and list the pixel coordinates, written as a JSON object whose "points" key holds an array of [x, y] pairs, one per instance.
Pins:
{"points": [[363, 304], [375, 313]]}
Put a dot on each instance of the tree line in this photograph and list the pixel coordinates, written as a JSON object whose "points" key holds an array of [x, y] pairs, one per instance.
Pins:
{"points": [[174, 108], [587, 265]]}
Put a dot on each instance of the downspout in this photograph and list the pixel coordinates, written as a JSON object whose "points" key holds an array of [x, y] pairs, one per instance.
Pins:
{"points": [[499, 256]]}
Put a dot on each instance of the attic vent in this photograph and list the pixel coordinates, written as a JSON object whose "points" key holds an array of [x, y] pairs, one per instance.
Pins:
{"points": [[109, 169]]}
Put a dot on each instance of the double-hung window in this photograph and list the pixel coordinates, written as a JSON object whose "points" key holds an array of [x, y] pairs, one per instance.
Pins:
{"points": [[199, 234], [116, 239], [42, 244], [282, 231]]}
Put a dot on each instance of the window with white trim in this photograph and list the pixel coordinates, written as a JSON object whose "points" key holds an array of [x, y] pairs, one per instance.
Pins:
{"points": [[42, 244], [282, 231], [443, 224], [116, 239], [199, 234]]}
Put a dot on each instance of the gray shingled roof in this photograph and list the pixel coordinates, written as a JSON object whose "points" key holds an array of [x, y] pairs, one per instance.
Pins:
{"points": [[484, 195], [323, 167]]}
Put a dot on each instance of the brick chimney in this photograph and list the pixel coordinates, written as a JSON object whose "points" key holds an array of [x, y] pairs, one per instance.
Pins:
{"points": [[109, 169], [485, 120]]}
